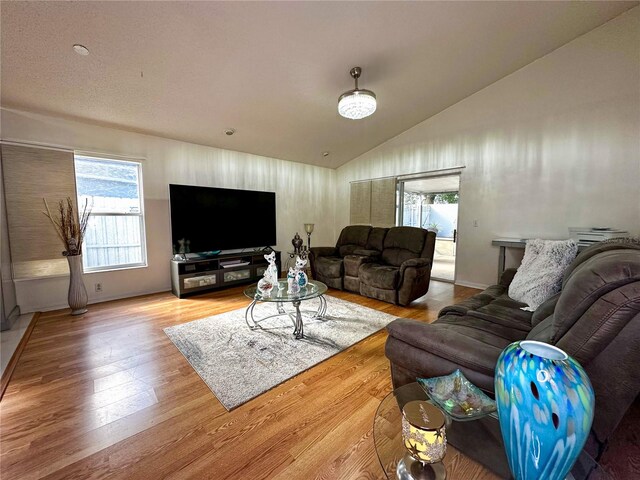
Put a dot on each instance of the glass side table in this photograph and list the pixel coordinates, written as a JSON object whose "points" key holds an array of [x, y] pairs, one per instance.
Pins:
{"points": [[474, 448]]}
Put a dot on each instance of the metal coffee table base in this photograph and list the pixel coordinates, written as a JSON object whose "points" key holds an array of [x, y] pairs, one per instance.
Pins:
{"points": [[296, 317]]}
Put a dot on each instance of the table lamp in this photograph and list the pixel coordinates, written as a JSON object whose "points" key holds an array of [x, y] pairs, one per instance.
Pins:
{"points": [[423, 435], [308, 227]]}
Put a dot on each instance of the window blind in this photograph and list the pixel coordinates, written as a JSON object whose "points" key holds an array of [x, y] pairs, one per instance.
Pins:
{"points": [[383, 202], [31, 174], [373, 202], [360, 208]]}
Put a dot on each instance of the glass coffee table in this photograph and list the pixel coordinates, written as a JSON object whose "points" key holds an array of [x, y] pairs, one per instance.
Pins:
{"points": [[474, 448], [279, 296]]}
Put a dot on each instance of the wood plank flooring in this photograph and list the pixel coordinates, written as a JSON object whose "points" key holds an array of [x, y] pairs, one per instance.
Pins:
{"points": [[107, 395]]}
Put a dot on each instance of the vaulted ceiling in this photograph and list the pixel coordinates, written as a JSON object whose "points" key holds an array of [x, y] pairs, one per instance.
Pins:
{"points": [[272, 70]]}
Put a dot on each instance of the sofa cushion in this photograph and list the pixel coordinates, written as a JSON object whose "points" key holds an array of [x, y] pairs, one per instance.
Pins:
{"points": [[403, 243], [542, 331], [364, 252], [544, 310], [352, 264], [467, 341], [473, 303], [586, 254], [505, 316], [352, 238], [331, 267], [592, 280], [376, 238], [473, 325], [379, 276]]}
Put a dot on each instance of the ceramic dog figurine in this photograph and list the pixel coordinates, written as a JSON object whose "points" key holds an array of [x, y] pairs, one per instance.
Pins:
{"points": [[270, 278]]}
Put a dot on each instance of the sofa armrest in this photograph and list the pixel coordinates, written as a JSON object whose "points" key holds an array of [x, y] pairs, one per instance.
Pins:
{"points": [[415, 275], [507, 277], [415, 263], [324, 251]]}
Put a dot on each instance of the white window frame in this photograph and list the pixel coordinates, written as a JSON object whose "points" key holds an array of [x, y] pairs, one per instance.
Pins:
{"points": [[140, 215]]}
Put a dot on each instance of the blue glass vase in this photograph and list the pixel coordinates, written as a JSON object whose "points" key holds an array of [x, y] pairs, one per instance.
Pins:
{"points": [[545, 406]]}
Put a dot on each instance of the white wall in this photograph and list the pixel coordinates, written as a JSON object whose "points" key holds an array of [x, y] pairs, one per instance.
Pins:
{"points": [[553, 145], [304, 194]]}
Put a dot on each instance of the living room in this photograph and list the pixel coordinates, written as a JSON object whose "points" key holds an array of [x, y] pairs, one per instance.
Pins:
{"points": [[535, 106]]}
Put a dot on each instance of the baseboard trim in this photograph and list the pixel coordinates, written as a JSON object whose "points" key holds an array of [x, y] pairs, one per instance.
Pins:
{"points": [[8, 372], [479, 286], [108, 298]]}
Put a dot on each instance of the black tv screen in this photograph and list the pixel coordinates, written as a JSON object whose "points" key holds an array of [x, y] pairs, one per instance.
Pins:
{"points": [[205, 219]]}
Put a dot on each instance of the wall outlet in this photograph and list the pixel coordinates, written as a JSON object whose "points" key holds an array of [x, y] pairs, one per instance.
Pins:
{"points": [[98, 287]]}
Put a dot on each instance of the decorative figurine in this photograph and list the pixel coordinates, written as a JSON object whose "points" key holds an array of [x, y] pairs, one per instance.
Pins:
{"points": [[184, 245], [270, 277], [301, 277], [297, 243], [294, 286], [296, 278]]}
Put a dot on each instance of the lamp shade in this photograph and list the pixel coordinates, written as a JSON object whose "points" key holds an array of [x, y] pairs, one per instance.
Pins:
{"points": [[308, 227], [423, 431]]}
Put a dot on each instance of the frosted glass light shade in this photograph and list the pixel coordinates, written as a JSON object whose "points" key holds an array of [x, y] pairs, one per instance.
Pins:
{"points": [[357, 104]]}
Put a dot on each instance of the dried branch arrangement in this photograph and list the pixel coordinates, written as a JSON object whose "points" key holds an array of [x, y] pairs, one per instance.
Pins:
{"points": [[69, 226]]}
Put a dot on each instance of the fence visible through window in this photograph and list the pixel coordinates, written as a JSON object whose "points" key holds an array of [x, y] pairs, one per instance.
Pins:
{"points": [[115, 234]]}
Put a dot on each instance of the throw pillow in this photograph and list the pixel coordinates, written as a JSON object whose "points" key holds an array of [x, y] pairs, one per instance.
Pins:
{"points": [[540, 275]]}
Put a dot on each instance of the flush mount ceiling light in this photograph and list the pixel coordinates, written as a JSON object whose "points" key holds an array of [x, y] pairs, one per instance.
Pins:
{"points": [[81, 50], [357, 103]]}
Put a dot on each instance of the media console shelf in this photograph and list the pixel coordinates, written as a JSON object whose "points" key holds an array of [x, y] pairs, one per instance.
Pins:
{"points": [[201, 275]]}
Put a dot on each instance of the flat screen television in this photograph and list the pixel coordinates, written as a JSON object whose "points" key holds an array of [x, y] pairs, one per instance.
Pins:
{"points": [[205, 219]]}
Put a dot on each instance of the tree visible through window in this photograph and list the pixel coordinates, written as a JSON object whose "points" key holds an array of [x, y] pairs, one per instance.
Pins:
{"points": [[115, 234]]}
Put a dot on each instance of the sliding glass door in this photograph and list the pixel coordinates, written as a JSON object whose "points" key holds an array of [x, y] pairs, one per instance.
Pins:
{"points": [[431, 202]]}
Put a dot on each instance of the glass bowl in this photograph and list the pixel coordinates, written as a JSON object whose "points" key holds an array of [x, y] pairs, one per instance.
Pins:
{"points": [[457, 396]]}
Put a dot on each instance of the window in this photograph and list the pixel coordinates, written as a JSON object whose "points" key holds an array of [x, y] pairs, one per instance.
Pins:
{"points": [[115, 233]]}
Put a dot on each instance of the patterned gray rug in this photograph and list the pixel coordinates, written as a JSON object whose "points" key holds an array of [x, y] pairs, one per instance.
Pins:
{"points": [[239, 364]]}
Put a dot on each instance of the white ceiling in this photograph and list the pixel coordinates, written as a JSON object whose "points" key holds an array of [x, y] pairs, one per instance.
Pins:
{"points": [[272, 70]]}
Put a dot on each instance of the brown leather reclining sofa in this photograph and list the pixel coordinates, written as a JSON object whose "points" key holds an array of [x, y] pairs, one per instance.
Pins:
{"points": [[595, 319], [389, 264]]}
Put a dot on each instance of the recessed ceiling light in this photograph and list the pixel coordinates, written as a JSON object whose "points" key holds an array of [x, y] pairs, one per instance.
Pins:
{"points": [[230, 131], [81, 50], [325, 154]]}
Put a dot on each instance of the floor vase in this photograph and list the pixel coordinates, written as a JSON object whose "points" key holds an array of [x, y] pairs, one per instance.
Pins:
{"points": [[77, 292], [545, 406]]}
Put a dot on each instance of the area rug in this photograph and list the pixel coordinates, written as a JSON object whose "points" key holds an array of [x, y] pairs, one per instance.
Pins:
{"points": [[239, 364]]}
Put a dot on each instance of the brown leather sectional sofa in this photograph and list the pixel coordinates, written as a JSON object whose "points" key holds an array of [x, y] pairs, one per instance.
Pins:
{"points": [[389, 264], [595, 319]]}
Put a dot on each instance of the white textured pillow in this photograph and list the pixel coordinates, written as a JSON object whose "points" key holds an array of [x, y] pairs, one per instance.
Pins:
{"points": [[540, 274]]}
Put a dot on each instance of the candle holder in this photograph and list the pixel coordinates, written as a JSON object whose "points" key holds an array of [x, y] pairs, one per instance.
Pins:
{"points": [[308, 227], [424, 437]]}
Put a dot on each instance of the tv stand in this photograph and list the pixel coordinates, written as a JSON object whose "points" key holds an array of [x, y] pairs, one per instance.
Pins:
{"points": [[200, 275]]}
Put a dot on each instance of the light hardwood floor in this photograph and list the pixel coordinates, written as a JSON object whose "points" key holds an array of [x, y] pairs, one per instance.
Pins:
{"points": [[108, 395]]}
